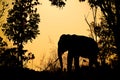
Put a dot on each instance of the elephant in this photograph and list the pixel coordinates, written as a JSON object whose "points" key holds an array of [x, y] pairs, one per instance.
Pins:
{"points": [[77, 45]]}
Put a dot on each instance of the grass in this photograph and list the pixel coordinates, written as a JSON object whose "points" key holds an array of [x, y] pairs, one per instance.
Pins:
{"points": [[7, 73]]}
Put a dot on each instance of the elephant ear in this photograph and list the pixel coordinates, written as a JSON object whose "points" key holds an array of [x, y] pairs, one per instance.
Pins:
{"points": [[64, 39], [63, 43]]}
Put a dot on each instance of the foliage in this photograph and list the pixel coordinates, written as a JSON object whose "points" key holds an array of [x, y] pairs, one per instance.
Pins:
{"points": [[111, 12], [110, 28], [9, 57], [2, 10], [26, 58], [22, 24], [106, 40], [105, 33], [4, 5], [2, 43], [59, 3]]}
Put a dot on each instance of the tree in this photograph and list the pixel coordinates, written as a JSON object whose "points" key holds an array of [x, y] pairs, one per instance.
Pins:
{"points": [[106, 40], [22, 24], [111, 12]]}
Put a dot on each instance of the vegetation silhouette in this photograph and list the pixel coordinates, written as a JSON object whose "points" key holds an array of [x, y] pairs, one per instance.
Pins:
{"points": [[9, 60], [18, 73], [77, 46], [3, 8], [22, 24], [108, 32], [111, 13]]}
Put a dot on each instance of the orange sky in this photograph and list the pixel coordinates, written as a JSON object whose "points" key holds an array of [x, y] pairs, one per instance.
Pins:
{"points": [[55, 22]]}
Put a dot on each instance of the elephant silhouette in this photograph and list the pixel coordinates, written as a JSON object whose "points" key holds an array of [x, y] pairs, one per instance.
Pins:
{"points": [[77, 46]]}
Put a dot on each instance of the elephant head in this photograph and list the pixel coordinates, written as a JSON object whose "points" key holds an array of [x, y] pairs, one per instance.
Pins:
{"points": [[77, 46], [62, 47]]}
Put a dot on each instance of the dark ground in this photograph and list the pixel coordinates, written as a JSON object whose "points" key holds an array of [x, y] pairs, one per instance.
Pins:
{"points": [[85, 74]]}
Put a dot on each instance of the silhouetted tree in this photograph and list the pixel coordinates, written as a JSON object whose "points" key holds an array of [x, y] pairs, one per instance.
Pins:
{"points": [[109, 32], [103, 35], [22, 24], [111, 12], [106, 40]]}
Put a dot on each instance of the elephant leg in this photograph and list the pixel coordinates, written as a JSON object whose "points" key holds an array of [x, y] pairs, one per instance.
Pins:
{"points": [[60, 60], [76, 63], [93, 62], [69, 61], [96, 65]]}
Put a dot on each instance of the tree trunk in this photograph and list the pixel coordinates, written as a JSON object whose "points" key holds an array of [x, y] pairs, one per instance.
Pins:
{"points": [[20, 53]]}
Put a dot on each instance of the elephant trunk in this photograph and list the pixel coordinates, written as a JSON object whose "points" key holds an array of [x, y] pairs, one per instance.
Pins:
{"points": [[60, 58]]}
